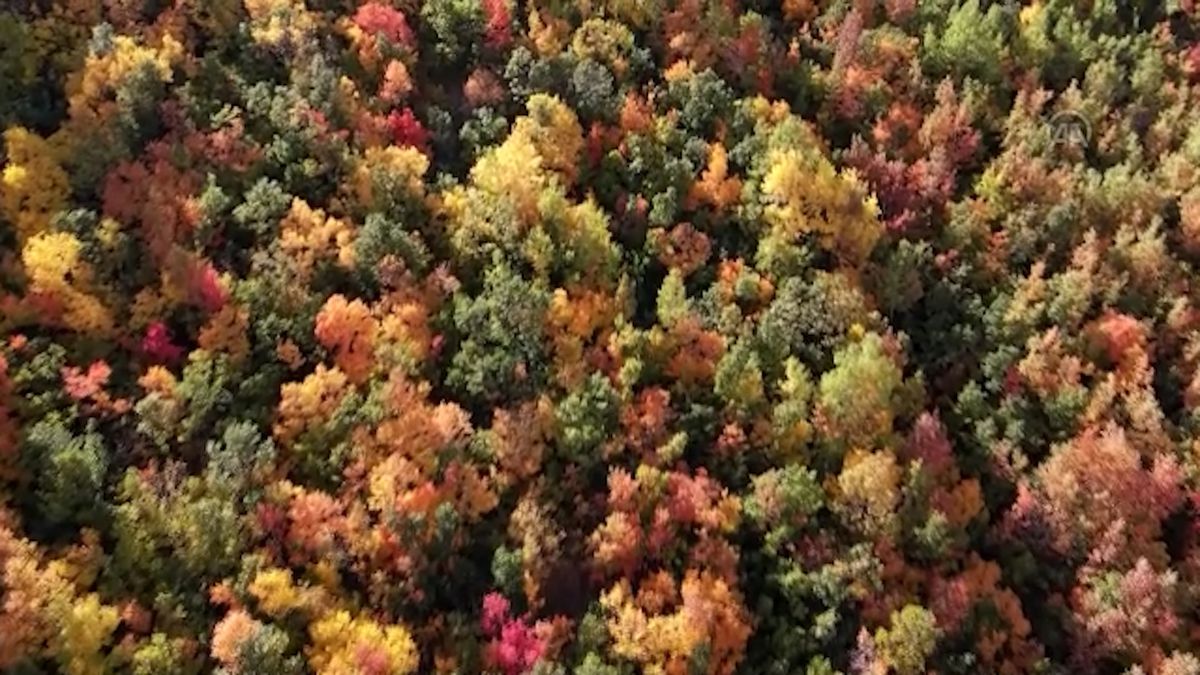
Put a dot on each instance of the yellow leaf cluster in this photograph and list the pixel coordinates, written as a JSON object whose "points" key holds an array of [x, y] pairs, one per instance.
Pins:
{"points": [[86, 628], [606, 41], [708, 612], [390, 482], [869, 485], [308, 235], [90, 89], [554, 131], [514, 171], [405, 166], [309, 403], [276, 592], [806, 194], [276, 23], [343, 644], [576, 320], [42, 611], [513, 186], [30, 594], [768, 112], [33, 186], [584, 233], [53, 267]]}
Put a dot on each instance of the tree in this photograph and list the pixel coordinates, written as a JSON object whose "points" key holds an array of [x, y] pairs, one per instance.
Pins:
{"points": [[970, 43], [805, 194], [342, 642], [502, 353], [53, 265], [34, 186], [349, 331], [909, 641], [456, 26], [856, 400], [69, 472], [587, 419]]}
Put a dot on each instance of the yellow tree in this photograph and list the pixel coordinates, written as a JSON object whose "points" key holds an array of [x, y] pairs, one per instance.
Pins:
{"points": [[343, 644], [661, 626], [806, 194], [554, 131], [308, 235], [33, 186], [53, 266]]}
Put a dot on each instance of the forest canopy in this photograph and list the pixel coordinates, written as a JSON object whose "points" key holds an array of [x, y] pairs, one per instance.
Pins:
{"points": [[599, 337]]}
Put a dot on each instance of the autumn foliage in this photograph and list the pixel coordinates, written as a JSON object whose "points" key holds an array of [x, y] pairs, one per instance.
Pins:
{"points": [[599, 337]]}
